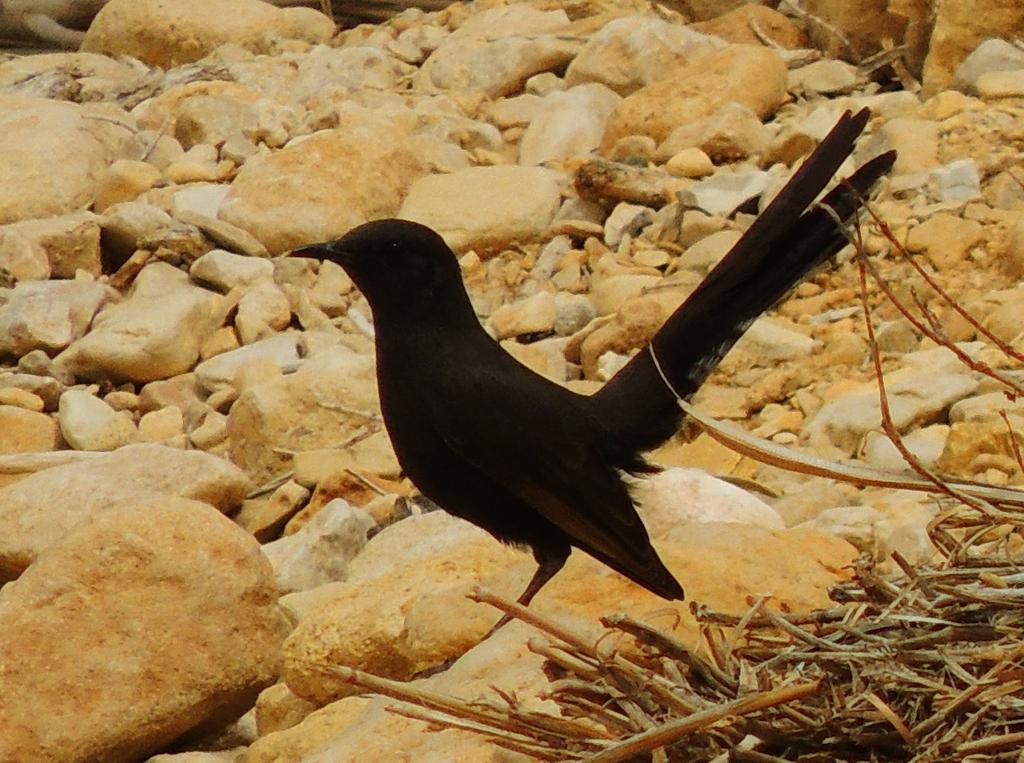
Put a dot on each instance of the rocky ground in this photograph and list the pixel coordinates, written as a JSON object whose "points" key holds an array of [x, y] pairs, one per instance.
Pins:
{"points": [[200, 508]]}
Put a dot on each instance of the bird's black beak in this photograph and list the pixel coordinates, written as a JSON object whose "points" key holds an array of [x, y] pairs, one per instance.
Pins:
{"points": [[328, 250]]}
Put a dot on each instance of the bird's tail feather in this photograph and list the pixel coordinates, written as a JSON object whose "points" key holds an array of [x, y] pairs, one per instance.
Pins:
{"points": [[779, 249]]}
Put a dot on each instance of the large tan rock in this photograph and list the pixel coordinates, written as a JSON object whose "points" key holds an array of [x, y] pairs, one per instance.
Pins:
{"points": [[154, 334], [485, 208], [403, 606], [496, 50], [169, 33], [747, 74], [318, 188], [632, 51], [38, 511], [141, 624], [51, 160], [319, 406]]}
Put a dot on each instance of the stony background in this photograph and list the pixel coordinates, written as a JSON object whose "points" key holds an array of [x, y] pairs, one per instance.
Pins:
{"points": [[199, 505]]}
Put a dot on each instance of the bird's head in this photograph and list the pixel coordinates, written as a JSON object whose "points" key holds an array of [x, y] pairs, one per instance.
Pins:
{"points": [[397, 264]]}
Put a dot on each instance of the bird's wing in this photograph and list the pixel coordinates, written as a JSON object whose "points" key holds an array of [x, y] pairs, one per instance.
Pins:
{"points": [[535, 440]]}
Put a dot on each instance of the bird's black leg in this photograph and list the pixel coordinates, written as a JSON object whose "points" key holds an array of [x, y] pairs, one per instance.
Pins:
{"points": [[550, 559]]}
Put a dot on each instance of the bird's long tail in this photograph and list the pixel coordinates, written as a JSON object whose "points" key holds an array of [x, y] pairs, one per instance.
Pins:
{"points": [[784, 244]]}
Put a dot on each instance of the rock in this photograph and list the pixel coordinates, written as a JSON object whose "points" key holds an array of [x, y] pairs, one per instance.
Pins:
{"points": [[474, 57], [262, 311], [632, 51], [1002, 84], [337, 624], [567, 123], [1011, 256], [992, 55], [51, 158], [772, 340], [826, 77], [187, 30], [39, 510], [325, 402], [224, 233], [21, 259], [959, 29], [318, 188], [733, 133], [919, 393], [48, 315], [752, 76], [533, 315], [926, 445], [68, 243], [322, 549], [225, 270], [485, 208], [626, 220], [916, 142], [128, 226], [690, 163], [443, 551], [185, 588], [945, 239], [88, 423], [852, 29], [154, 334], [166, 425], [26, 431], [220, 371], [681, 496], [737, 26], [857, 525], [212, 119], [124, 180], [724, 192], [957, 182], [706, 253]]}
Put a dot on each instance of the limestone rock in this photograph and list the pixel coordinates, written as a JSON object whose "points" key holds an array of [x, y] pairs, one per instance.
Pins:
{"points": [[38, 511], [262, 311], [752, 76], [959, 29], [142, 623], [632, 51], [992, 55], [733, 133], [337, 623], [154, 334], [26, 431], [737, 26], [321, 404], [88, 423], [485, 208], [48, 315], [322, 549], [226, 270], [51, 159], [318, 188], [219, 371], [187, 30], [919, 393], [567, 123], [68, 242], [496, 50], [946, 239]]}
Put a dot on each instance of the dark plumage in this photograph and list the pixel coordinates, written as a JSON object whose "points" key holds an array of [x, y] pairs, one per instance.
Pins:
{"points": [[527, 460]]}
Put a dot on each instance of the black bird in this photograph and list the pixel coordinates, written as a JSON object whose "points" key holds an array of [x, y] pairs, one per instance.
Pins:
{"points": [[531, 462]]}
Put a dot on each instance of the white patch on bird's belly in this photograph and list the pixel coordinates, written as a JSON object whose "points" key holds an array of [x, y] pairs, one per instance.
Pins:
{"points": [[680, 496]]}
